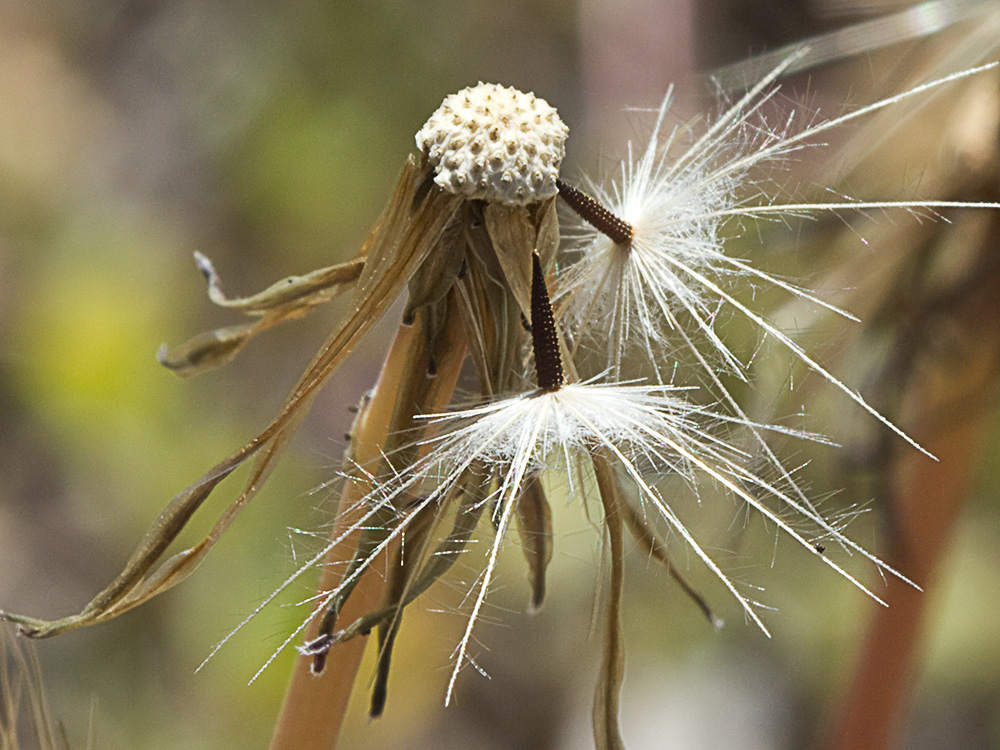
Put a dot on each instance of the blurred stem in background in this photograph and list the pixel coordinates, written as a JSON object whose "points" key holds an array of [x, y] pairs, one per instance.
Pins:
{"points": [[942, 317]]}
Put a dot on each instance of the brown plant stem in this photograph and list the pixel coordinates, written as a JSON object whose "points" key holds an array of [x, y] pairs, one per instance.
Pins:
{"points": [[315, 705], [607, 699]]}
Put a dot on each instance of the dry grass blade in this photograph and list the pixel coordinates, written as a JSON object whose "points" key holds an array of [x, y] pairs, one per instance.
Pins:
{"points": [[25, 715]]}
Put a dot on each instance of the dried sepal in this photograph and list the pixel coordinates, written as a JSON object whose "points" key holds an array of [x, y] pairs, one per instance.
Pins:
{"points": [[422, 565], [435, 277], [534, 526], [219, 347], [417, 564], [515, 233], [547, 235], [380, 686], [404, 562], [427, 292], [430, 567], [490, 314]]}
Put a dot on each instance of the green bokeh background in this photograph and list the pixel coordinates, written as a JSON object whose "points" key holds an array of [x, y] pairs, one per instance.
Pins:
{"points": [[268, 137]]}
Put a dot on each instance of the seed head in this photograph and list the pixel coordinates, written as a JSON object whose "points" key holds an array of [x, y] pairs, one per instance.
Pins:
{"points": [[496, 144]]}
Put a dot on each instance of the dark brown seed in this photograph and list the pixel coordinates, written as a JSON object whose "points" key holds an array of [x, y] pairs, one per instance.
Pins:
{"points": [[599, 217], [544, 337]]}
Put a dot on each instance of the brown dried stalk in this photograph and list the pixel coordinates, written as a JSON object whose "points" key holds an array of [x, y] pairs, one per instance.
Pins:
{"points": [[314, 707]]}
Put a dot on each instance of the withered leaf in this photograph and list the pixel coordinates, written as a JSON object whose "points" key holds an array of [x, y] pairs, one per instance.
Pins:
{"points": [[404, 235], [313, 288], [291, 298]]}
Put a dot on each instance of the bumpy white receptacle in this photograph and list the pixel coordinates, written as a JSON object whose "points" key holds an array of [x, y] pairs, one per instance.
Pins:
{"points": [[495, 144]]}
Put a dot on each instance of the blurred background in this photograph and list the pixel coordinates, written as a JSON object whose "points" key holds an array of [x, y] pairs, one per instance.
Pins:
{"points": [[268, 137]]}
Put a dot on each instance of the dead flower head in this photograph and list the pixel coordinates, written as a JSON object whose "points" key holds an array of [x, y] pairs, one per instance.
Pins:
{"points": [[472, 235]]}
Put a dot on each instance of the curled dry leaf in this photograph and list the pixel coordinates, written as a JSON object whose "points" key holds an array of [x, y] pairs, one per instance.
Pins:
{"points": [[404, 235], [292, 297]]}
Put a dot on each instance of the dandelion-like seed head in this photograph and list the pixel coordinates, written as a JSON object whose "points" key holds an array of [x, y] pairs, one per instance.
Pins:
{"points": [[673, 277], [496, 144], [675, 207], [651, 274], [537, 427]]}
